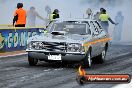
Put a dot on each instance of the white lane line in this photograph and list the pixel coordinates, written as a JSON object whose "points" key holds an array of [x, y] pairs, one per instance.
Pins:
{"points": [[12, 55], [129, 85], [123, 54], [37, 75], [58, 69], [47, 70]]}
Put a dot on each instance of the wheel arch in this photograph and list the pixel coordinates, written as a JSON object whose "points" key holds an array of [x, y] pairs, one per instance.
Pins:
{"points": [[90, 48], [106, 46]]}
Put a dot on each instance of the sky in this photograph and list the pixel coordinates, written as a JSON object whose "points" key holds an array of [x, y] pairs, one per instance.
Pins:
{"points": [[73, 9]]}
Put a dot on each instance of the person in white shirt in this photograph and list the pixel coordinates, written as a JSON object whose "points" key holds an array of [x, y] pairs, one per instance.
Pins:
{"points": [[32, 14]]}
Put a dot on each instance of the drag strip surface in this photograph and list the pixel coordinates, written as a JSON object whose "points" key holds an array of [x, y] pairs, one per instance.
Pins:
{"points": [[16, 73]]}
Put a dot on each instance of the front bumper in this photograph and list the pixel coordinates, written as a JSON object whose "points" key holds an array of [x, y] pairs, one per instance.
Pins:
{"points": [[64, 56]]}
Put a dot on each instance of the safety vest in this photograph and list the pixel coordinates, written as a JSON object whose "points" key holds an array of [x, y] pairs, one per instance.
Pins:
{"points": [[104, 17], [52, 17], [21, 16]]}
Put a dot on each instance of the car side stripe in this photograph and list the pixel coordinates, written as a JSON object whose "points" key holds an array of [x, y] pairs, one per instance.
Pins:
{"points": [[97, 41]]}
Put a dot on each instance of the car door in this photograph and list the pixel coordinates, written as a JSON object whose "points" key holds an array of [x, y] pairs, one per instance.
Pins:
{"points": [[101, 36], [95, 38]]}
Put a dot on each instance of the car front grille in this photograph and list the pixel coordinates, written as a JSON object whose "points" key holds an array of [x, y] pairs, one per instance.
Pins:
{"points": [[52, 46]]}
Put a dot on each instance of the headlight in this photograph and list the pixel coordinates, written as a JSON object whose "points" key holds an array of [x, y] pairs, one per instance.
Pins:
{"points": [[74, 47], [35, 45]]}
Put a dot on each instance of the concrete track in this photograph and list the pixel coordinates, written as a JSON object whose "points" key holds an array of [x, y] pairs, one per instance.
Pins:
{"points": [[16, 73]]}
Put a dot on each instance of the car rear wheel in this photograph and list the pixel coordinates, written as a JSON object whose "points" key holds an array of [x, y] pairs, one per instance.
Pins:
{"points": [[32, 61], [87, 60], [101, 58]]}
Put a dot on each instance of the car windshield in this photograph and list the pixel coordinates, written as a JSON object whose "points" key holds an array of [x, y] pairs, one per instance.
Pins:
{"points": [[72, 28]]}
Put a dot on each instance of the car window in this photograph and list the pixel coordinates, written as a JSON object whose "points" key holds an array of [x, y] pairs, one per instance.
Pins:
{"points": [[75, 28], [95, 30], [97, 26], [88, 26], [70, 27]]}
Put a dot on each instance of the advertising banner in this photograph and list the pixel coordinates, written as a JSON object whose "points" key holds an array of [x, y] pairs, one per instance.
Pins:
{"points": [[16, 39]]}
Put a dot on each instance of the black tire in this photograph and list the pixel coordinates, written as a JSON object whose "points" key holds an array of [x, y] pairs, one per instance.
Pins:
{"points": [[32, 61], [87, 62], [102, 56], [100, 59]]}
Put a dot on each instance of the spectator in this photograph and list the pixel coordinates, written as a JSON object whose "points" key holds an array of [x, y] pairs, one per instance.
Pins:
{"points": [[89, 13], [96, 16], [31, 16]]}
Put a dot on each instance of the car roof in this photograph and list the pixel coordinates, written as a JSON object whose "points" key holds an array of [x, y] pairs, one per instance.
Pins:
{"points": [[71, 19]]}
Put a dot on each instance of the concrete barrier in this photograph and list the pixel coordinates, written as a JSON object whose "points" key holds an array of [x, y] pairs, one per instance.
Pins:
{"points": [[14, 39]]}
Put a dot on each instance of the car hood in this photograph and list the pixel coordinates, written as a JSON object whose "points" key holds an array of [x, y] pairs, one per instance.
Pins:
{"points": [[68, 38]]}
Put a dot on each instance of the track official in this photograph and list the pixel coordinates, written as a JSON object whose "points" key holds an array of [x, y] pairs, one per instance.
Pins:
{"points": [[104, 18], [19, 19], [54, 15]]}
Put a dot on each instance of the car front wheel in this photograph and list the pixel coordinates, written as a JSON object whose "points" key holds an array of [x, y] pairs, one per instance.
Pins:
{"points": [[87, 60], [32, 61]]}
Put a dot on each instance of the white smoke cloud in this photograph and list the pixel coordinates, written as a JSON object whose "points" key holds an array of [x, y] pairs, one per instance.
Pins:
{"points": [[73, 8]]}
